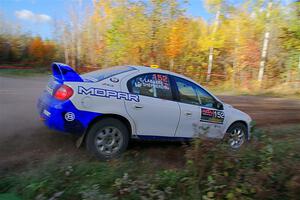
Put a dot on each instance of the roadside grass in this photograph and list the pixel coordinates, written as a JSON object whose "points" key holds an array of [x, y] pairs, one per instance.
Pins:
{"points": [[263, 93], [266, 168], [24, 72], [279, 94], [285, 90]]}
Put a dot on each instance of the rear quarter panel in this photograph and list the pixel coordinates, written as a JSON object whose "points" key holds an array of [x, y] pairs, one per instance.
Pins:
{"points": [[99, 104]]}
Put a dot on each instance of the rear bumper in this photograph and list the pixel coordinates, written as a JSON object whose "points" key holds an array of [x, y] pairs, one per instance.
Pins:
{"points": [[63, 116]]}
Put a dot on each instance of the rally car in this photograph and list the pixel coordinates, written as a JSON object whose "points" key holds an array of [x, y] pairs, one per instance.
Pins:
{"points": [[107, 108]]}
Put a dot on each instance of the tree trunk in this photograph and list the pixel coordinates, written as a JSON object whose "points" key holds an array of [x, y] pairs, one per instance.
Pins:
{"points": [[66, 55], [265, 46], [66, 50], [234, 67], [235, 60], [263, 56], [210, 63], [73, 50], [171, 64], [78, 43], [211, 49], [298, 83]]}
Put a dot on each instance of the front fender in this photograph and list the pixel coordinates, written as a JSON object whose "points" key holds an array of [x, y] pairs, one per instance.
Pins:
{"points": [[234, 115]]}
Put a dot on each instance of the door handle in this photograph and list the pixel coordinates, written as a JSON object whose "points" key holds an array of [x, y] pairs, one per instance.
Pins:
{"points": [[188, 113], [138, 106]]}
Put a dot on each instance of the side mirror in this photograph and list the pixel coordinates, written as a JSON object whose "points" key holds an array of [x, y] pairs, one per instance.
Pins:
{"points": [[219, 105]]}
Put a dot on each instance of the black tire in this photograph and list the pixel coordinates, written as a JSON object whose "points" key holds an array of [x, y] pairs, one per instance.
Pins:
{"points": [[96, 135], [235, 139]]}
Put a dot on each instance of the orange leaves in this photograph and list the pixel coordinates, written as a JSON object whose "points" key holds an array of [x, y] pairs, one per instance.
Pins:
{"points": [[36, 48], [176, 38], [39, 51]]}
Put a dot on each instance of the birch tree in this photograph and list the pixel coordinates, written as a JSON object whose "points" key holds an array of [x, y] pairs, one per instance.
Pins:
{"points": [[214, 5], [265, 45]]}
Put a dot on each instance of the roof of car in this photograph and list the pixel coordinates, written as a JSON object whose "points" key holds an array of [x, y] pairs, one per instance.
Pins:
{"points": [[141, 69], [156, 70], [145, 69]]}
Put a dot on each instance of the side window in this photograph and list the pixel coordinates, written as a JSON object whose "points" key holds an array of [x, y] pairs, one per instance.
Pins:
{"points": [[205, 99], [141, 85], [187, 92], [162, 86], [152, 85]]}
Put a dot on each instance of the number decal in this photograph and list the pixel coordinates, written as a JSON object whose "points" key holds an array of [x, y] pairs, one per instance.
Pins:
{"points": [[212, 116]]}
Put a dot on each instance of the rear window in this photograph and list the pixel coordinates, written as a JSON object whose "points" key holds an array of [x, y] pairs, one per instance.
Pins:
{"points": [[102, 74]]}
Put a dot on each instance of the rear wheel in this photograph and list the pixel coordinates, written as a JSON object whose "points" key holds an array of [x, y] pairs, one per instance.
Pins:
{"points": [[236, 135], [107, 139]]}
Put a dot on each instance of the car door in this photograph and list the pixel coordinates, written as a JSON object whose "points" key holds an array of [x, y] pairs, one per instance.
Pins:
{"points": [[156, 114], [198, 115], [212, 119], [189, 107]]}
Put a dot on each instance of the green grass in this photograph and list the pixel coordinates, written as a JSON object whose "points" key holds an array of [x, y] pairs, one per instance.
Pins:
{"points": [[266, 168], [280, 93], [24, 72]]}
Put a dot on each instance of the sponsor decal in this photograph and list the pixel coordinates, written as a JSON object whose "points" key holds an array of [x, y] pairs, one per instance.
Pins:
{"points": [[158, 81], [212, 116], [49, 90], [107, 84], [51, 84], [108, 93], [69, 116], [114, 79], [47, 113]]}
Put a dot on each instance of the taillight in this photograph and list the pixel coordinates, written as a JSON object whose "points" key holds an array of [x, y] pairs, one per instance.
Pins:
{"points": [[64, 92]]}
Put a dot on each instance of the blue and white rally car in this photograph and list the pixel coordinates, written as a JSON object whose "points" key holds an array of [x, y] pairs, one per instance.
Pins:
{"points": [[109, 107]]}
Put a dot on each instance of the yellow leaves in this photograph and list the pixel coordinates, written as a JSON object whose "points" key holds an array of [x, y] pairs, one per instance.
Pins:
{"points": [[208, 39], [103, 14], [176, 39], [103, 9], [213, 5], [190, 68]]}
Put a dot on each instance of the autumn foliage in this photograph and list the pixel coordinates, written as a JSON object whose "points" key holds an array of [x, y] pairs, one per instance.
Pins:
{"points": [[253, 44], [29, 51], [41, 51]]}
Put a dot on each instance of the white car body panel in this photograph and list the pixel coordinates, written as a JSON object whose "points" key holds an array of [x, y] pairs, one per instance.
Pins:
{"points": [[153, 116], [190, 115]]}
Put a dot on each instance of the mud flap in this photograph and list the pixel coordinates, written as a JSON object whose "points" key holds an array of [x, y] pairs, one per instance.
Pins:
{"points": [[79, 141]]}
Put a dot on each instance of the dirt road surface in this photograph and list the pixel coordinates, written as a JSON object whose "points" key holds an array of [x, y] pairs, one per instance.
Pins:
{"points": [[24, 139]]}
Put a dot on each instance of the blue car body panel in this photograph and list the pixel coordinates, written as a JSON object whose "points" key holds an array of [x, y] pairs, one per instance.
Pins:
{"points": [[53, 111], [63, 72]]}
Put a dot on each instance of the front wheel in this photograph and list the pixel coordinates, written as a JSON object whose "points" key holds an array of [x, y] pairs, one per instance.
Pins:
{"points": [[107, 139], [236, 135]]}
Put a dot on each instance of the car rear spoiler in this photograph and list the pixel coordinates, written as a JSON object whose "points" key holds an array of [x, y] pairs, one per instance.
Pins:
{"points": [[62, 72]]}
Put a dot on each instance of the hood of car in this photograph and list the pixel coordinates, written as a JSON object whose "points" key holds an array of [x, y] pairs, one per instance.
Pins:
{"points": [[236, 112]]}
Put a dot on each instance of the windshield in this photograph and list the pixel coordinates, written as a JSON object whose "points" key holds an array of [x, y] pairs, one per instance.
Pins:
{"points": [[102, 74]]}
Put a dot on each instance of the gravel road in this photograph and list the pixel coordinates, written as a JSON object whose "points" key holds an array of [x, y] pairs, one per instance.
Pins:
{"points": [[23, 138]]}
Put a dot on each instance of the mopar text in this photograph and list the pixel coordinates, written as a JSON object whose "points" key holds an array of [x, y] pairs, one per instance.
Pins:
{"points": [[107, 93]]}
